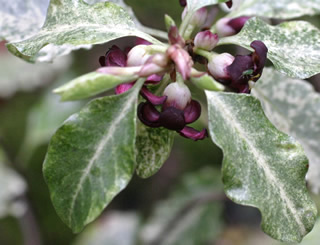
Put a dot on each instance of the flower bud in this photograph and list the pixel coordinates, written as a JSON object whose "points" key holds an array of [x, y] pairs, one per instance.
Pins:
{"points": [[183, 3], [198, 18], [218, 64], [138, 55], [155, 64], [206, 40], [228, 27], [178, 95]]}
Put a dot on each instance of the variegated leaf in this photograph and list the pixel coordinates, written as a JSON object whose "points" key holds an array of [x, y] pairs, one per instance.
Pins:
{"points": [[91, 158], [194, 5], [153, 148], [75, 24], [293, 107], [294, 47], [279, 9], [262, 166]]}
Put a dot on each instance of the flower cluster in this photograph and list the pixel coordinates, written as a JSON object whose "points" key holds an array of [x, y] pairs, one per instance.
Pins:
{"points": [[169, 66]]}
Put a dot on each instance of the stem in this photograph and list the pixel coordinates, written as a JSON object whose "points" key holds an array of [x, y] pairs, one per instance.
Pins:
{"points": [[163, 85], [151, 49], [208, 55], [187, 208], [179, 79], [185, 23]]}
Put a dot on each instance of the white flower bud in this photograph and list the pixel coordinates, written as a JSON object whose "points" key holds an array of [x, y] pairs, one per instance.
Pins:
{"points": [[206, 40], [218, 64], [178, 95], [223, 29], [199, 17], [138, 55]]}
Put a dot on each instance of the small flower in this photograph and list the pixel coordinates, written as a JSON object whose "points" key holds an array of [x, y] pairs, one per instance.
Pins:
{"points": [[229, 4], [206, 40], [182, 60], [199, 17], [114, 57], [177, 111], [138, 55], [236, 72], [217, 66], [228, 26]]}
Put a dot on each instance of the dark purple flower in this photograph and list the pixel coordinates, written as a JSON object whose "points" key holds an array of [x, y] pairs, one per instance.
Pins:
{"points": [[177, 111], [247, 67], [114, 57], [238, 71]]}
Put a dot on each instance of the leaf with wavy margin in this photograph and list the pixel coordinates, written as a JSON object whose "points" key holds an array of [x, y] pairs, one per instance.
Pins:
{"points": [[294, 47], [75, 24], [293, 106], [262, 166], [194, 5]]}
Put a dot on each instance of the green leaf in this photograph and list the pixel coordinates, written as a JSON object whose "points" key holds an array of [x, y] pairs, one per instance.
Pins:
{"points": [[91, 158], [262, 166], [293, 106], [282, 9], [194, 5], [90, 84], [294, 47], [192, 212], [12, 186], [21, 18], [153, 148], [75, 24]]}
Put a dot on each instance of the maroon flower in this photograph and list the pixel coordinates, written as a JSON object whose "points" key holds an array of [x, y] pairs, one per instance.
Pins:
{"points": [[118, 58], [236, 72], [176, 112], [229, 4]]}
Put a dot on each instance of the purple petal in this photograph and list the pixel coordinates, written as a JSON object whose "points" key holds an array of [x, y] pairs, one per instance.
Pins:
{"points": [[115, 57], [122, 88], [102, 60], [149, 115], [259, 56], [182, 60], [192, 112], [153, 99], [172, 118], [238, 23], [193, 134], [174, 36], [140, 41], [240, 65], [153, 79]]}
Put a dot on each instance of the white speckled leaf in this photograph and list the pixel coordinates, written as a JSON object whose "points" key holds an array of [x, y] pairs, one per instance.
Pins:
{"points": [[262, 167], [294, 47], [294, 108], [74, 24], [194, 5], [90, 84], [91, 157], [153, 147], [21, 18], [280, 9]]}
